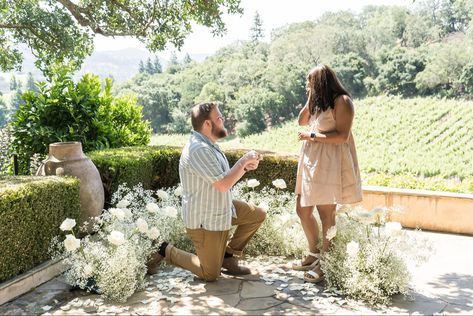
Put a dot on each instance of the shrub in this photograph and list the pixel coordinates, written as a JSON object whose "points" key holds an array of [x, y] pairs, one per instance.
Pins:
{"points": [[31, 210], [153, 167], [158, 167], [66, 111]]}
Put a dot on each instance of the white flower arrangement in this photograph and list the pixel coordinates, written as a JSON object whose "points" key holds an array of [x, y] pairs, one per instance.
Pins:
{"points": [[368, 256], [367, 259], [280, 234], [112, 262]]}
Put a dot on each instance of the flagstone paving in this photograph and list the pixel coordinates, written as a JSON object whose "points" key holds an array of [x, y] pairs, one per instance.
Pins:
{"points": [[444, 285]]}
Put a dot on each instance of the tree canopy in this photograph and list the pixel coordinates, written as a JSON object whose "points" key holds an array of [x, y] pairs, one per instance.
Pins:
{"points": [[393, 50], [63, 30]]}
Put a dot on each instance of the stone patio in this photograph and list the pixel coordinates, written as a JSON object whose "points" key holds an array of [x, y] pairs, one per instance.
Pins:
{"points": [[444, 285]]}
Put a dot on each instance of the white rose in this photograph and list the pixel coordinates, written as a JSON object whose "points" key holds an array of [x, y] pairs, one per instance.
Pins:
{"points": [[88, 270], [332, 232], [154, 233], [127, 212], [252, 183], [68, 224], [264, 206], [170, 211], [142, 225], [279, 183], [392, 228], [123, 203], [117, 238], [117, 213], [178, 191], [152, 207], [163, 195], [71, 243], [352, 248]]}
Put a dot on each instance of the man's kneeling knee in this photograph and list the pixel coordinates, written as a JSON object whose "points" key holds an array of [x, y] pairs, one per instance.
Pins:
{"points": [[210, 276], [261, 215]]}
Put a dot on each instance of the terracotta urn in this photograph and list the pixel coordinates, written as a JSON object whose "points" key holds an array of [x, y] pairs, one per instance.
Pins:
{"points": [[67, 158]]}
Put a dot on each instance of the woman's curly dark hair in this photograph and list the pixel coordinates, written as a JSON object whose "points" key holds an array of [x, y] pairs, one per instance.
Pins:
{"points": [[322, 88]]}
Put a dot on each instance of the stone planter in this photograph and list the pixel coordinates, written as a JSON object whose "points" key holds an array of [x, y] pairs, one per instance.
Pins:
{"points": [[67, 158]]}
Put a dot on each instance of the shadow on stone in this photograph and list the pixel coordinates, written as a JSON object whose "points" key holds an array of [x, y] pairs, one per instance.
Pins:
{"points": [[454, 288]]}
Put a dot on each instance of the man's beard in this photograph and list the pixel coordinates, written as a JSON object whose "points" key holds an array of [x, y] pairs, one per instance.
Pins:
{"points": [[218, 132]]}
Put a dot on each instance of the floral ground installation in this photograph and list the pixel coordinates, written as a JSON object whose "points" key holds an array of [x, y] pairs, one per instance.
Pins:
{"points": [[367, 260]]}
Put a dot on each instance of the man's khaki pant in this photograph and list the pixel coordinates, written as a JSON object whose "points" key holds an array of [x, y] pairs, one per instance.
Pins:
{"points": [[211, 246]]}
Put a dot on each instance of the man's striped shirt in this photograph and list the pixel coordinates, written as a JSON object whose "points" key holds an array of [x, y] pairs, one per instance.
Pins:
{"points": [[201, 164]]}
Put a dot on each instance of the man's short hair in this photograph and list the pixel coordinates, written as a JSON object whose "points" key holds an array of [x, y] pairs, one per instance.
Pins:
{"points": [[200, 113]]}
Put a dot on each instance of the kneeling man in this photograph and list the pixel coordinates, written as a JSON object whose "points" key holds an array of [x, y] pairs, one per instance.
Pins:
{"points": [[208, 208]]}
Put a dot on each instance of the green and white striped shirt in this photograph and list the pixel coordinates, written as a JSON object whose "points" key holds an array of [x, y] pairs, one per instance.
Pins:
{"points": [[201, 164]]}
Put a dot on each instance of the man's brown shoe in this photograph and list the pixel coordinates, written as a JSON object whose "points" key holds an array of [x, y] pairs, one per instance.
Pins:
{"points": [[232, 267], [153, 262]]}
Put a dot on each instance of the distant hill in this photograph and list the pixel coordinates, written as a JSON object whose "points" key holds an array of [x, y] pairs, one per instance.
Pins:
{"points": [[119, 64]]}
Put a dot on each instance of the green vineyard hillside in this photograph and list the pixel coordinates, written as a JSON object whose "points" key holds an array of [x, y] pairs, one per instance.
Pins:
{"points": [[423, 143]]}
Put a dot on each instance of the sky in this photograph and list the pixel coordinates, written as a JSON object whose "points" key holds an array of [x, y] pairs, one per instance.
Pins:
{"points": [[274, 14]]}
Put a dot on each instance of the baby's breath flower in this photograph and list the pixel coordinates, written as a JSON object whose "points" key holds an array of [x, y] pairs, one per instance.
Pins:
{"points": [[392, 228], [153, 233], [127, 212], [142, 225], [264, 206], [152, 207], [123, 203], [352, 248], [117, 213], [178, 191], [88, 270], [170, 211], [332, 232], [163, 195]]}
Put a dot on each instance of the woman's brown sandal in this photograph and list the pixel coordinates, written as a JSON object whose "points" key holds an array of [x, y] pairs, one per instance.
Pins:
{"points": [[298, 266], [314, 277]]}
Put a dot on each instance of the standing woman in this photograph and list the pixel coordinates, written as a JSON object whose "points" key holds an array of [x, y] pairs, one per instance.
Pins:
{"points": [[327, 172]]}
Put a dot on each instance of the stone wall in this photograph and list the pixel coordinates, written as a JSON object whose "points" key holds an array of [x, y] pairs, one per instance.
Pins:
{"points": [[428, 210]]}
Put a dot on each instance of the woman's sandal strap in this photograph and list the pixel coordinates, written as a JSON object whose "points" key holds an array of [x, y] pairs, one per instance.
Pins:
{"points": [[314, 274], [313, 254]]}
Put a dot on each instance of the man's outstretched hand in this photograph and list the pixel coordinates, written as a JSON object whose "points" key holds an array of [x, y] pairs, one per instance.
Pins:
{"points": [[250, 160]]}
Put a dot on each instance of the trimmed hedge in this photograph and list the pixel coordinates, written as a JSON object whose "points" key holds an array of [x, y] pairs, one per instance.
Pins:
{"points": [[154, 167], [31, 211], [158, 166]]}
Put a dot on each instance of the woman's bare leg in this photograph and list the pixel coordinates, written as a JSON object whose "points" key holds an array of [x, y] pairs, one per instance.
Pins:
{"points": [[310, 227], [327, 217]]}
